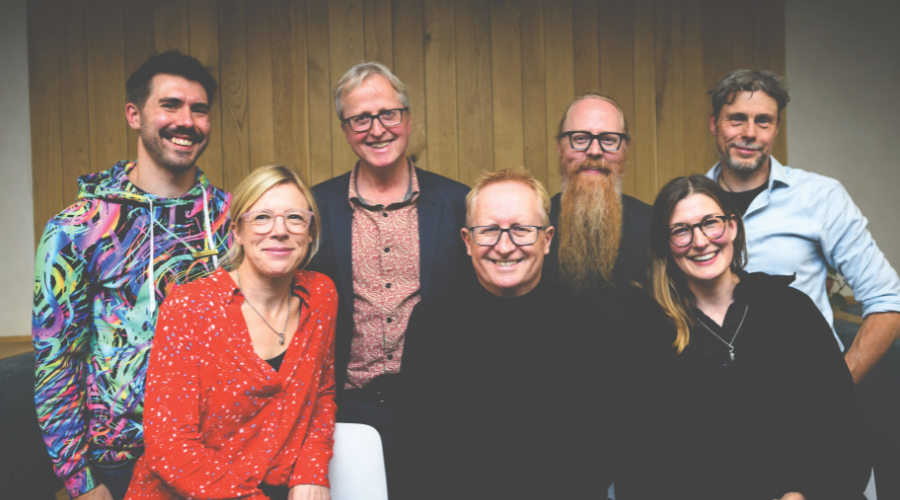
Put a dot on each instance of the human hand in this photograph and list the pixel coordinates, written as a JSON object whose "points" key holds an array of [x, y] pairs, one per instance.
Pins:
{"points": [[793, 496], [311, 492], [98, 493]]}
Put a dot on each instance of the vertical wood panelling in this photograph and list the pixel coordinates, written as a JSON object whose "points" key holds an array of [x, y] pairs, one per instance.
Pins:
{"points": [[617, 64], [346, 47], [259, 83], [473, 88], [204, 42], [440, 88], [233, 85], [506, 78], [76, 159], [378, 29], [488, 81], [534, 92], [289, 90], [43, 76], [106, 83], [560, 74], [585, 23]]}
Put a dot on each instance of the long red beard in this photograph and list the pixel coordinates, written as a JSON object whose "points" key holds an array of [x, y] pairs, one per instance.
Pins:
{"points": [[590, 229]]}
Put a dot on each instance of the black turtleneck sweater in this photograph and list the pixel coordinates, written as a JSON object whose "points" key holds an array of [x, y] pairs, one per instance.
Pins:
{"points": [[494, 395]]}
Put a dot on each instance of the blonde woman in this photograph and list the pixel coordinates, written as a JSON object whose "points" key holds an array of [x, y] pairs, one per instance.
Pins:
{"points": [[240, 397]]}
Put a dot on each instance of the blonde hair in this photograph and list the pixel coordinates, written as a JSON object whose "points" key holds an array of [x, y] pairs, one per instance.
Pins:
{"points": [[511, 175], [251, 189], [358, 74]]}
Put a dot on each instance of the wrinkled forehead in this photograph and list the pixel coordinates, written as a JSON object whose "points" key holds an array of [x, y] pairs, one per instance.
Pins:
{"points": [[594, 115], [507, 200]]}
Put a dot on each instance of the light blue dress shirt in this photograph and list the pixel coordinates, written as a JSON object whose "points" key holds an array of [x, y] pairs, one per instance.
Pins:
{"points": [[805, 220]]}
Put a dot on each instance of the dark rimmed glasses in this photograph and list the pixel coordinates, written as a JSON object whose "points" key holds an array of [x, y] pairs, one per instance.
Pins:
{"points": [[364, 122], [296, 220], [713, 226], [609, 142], [488, 236]]}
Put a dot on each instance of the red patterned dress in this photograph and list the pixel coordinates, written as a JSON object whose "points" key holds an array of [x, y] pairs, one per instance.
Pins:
{"points": [[218, 419]]}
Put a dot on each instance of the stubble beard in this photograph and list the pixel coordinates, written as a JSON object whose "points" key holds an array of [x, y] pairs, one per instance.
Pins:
{"points": [[590, 227], [174, 161], [743, 170]]}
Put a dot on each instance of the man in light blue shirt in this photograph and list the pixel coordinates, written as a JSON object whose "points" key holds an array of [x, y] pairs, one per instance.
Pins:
{"points": [[797, 221]]}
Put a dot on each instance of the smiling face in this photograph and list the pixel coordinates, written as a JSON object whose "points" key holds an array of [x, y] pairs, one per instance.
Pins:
{"points": [[507, 269], [278, 252], [380, 146], [594, 116], [704, 260], [174, 122], [745, 131]]}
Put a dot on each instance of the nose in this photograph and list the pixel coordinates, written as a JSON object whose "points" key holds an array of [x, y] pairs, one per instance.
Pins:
{"points": [[377, 127], [750, 130], [279, 227], [185, 117], [700, 240], [594, 148], [505, 244]]}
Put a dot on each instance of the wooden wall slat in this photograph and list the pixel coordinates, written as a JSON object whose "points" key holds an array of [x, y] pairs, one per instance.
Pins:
{"points": [[643, 153], [440, 88], [140, 44], [289, 89], [43, 75], [233, 86], [506, 83], [473, 88], [669, 91], [534, 93], [259, 83], [321, 105], [76, 159], [698, 142], [106, 83], [617, 65], [204, 43], [409, 65], [769, 53], [378, 31], [346, 48], [586, 27], [171, 25], [741, 27], [560, 74]]}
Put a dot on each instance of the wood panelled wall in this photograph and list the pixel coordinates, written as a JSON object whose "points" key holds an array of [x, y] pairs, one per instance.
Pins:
{"points": [[488, 79]]}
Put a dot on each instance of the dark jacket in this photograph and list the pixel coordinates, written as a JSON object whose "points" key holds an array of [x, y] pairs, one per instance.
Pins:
{"points": [[789, 421], [442, 254], [631, 264]]}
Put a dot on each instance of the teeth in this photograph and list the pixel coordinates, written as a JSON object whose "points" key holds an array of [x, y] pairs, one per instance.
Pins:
{"points": [[379, 144], [703, 258], [181, 142], [505, 263]]}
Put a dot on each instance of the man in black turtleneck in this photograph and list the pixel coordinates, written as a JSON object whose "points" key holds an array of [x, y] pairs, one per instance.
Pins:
{"points": [[496, 371]]}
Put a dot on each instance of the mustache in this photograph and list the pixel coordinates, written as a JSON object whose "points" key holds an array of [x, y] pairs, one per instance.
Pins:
{"points": [[745, 145], [595, 164], [190, 133]]}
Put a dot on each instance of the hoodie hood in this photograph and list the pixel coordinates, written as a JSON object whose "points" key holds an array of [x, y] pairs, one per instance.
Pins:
{"points": [[113, 185]]}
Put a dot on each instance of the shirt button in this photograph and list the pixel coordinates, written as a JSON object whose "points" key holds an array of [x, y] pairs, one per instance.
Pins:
{"points": [[390, 320], [384, 214], [386, 249], [388, 285], [390, 356]]}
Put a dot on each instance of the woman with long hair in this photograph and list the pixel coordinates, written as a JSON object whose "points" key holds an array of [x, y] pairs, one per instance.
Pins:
{"points": [[734, 386]]}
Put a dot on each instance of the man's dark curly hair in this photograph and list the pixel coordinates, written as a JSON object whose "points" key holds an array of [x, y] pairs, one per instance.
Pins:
{"points": [[171, 62], [750, 80]]}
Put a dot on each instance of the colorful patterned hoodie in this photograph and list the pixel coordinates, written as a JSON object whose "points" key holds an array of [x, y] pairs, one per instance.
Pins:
{"points": [[103, 266]]}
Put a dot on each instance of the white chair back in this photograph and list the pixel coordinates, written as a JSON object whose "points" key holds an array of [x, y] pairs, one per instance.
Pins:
{"points": [[357, 469]]}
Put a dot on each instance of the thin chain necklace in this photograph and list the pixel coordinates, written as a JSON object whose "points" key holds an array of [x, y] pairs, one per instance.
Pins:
{"points": [[722, 178], [284, 328], [729, 344]]}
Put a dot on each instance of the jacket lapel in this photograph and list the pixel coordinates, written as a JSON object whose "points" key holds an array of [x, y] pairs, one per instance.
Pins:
{"points": [[340, 218], [429, 208]]}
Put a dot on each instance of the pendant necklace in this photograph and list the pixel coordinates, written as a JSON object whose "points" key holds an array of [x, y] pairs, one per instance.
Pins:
{"points": [[284, 328], [729, 344]]}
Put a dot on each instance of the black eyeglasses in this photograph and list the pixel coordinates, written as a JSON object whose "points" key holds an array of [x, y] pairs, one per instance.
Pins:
{"points": [[713, 226], [388, 118], [488, 236], [609, 142]]}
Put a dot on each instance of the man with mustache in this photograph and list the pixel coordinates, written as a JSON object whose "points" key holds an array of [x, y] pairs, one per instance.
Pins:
{"points": [[105, 263], [796, 221], [602, 234]]}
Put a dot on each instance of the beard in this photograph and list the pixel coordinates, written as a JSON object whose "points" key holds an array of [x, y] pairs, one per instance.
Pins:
{"points": [[173, 161], [743, 170], [590, 227]]}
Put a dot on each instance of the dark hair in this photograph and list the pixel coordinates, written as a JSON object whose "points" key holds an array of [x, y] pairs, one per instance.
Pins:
{"points": [[170, 62], [750, 80], [666, 281]]}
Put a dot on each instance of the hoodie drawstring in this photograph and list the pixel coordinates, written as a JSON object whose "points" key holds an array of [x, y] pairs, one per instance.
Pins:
{"points": [[209, 238], [150, 265]]}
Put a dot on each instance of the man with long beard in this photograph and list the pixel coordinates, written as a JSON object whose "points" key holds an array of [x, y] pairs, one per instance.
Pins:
{"points": [[602, 234]]}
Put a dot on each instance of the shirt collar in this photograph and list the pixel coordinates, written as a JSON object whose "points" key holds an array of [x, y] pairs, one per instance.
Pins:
{"points": [[777, 173], [412, 191], [232, 291]]}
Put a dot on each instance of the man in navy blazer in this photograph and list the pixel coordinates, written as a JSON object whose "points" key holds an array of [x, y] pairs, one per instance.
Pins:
{"points": [[390, 237]]}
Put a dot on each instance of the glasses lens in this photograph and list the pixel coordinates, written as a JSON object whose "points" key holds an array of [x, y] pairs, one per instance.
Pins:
{"points": [[523, 235], [360, 123], [610, 142], [580, 141], [391, 117], [713, 228], [486, 235], [681, 236]]}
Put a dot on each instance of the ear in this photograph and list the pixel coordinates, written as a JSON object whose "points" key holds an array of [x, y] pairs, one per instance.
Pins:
{"points": [[549, 231], [465, 236], [236, 234], [559, 148], [732, 228], [133, 115], [712, 124]]}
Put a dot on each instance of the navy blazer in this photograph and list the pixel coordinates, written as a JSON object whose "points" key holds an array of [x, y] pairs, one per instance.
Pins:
{"points": [[441, 208]]}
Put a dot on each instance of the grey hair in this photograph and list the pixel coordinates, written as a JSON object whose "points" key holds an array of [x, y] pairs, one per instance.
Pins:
{"points": [[750, 80], [358, 74]]}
